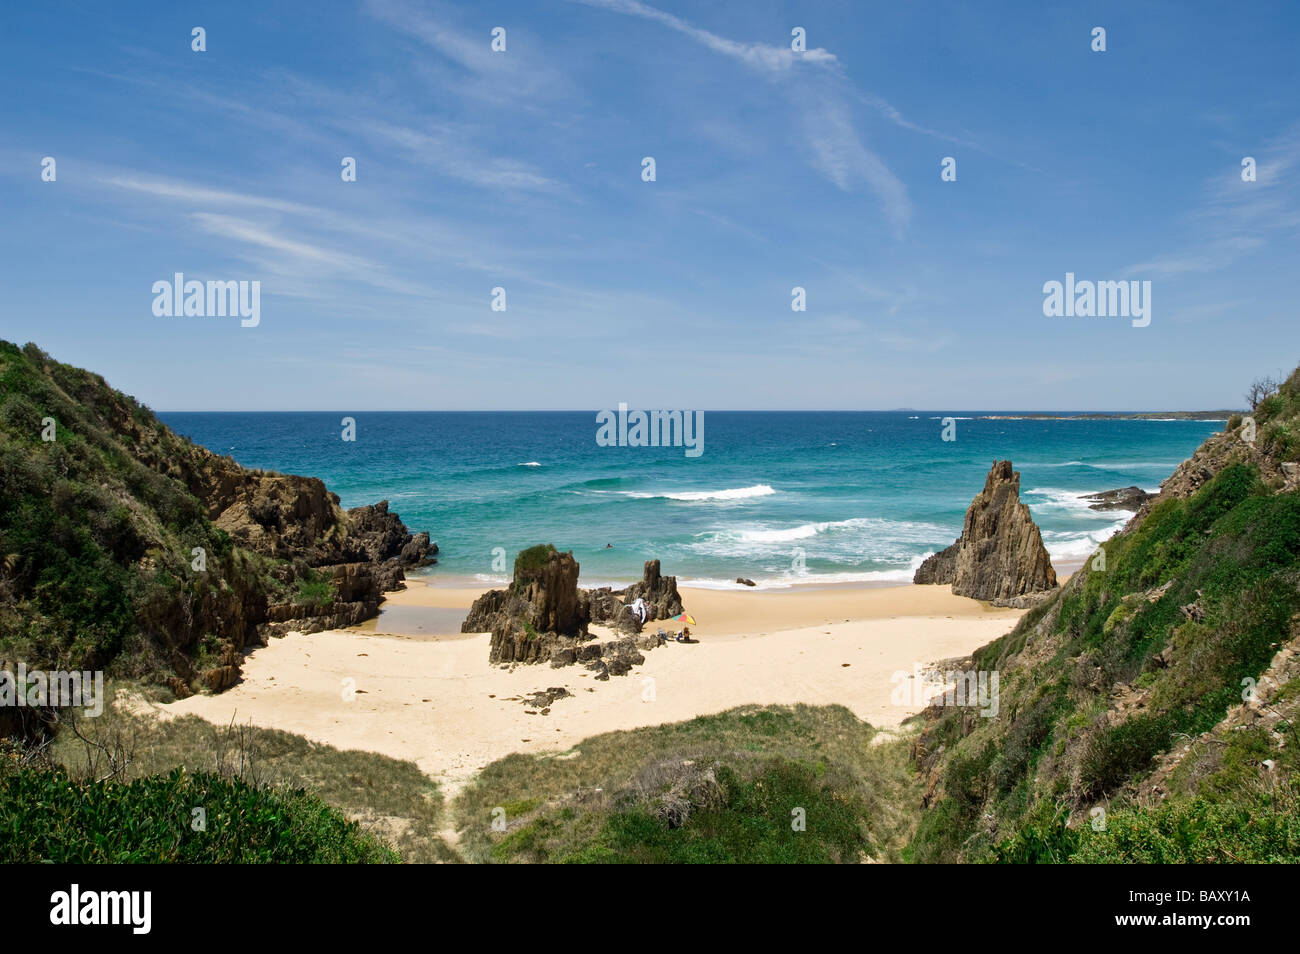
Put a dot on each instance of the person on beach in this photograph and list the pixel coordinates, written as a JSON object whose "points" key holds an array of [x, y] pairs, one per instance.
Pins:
{"points": [[639, 607]]}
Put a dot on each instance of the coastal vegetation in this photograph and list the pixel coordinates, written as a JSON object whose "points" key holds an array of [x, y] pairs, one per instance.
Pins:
{"points": [[804, 784], [127, 548], [51, 818], [395, 805], [1149, 710]]}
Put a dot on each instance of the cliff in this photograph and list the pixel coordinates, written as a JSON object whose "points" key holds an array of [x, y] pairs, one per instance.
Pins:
{"points": [[126, 547], [1147, 710]]}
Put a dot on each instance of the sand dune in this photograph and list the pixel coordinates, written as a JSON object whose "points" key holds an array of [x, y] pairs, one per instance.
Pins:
{"points": [[435, 700]]}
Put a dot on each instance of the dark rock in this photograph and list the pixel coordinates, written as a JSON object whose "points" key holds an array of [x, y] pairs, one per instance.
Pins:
{"points": [[745, 582], [544, 700], [539, 613], [543, 616], [659, 592], [1000, 553], [221, 677], [610, 607], [1126, 498]]}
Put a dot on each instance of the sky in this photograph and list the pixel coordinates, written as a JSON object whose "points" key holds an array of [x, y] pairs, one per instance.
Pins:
{"points": [[522, 169]]}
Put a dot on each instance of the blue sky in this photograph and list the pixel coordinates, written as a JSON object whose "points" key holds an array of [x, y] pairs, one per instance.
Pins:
{"points": [[522, 169]]}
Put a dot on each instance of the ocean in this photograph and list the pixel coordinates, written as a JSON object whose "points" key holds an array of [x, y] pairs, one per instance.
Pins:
{"points": [[782, 498]]}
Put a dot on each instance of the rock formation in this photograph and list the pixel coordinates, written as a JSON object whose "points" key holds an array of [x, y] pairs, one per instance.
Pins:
{"points": [[609, 606], [539, 612], [1126, 498], [363, 552], [542, 616], [1000, 554]]}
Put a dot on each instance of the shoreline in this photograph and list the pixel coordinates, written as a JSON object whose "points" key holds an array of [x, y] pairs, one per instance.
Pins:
{"points": [[435, 700], [452, 581]]}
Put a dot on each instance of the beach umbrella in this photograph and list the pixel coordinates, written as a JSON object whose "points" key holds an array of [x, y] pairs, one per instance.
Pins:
{"points": [[686, 618]]}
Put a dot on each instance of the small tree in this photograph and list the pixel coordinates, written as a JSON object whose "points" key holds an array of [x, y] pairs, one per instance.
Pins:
{"points": [[1260, 389]]}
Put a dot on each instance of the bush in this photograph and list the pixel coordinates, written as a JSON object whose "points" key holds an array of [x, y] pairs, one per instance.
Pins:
{"points": [[752, 825], [1265, 829], [534, 558], [45, 816]]}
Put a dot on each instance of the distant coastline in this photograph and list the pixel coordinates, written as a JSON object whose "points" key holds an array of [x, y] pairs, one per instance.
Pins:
{"points": [[1204, 416]]}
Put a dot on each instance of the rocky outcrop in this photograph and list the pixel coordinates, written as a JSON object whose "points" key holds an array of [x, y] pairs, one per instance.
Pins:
{"points": [[288, 517], [1125, 498], [1000, 554], [542, 616], [362, 553], [609, 606], [209, 557], [537, 613], [296, 521]]}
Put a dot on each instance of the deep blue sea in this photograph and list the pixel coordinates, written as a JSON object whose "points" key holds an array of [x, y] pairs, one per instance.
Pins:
{"points": [[778, 497]]}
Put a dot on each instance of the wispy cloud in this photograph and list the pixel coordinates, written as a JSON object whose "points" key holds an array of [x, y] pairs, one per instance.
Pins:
{"points": [[1234, 218], [188, 192], [836, 150], [760, 56], [1217, 254], [446, 149], [475, 69], [839, 155]]}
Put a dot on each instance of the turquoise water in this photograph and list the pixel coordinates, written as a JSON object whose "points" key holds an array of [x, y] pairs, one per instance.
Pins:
{"points": [[777, 497]]}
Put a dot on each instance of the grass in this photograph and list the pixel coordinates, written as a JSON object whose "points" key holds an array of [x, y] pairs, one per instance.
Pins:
{"points": [[1258, 825], [392, 800], [1009, 786], [315, 588], [796, 784]]}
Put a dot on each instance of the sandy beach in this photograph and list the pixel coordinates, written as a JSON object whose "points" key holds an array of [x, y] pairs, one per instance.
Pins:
{"points": [[435, 700]]}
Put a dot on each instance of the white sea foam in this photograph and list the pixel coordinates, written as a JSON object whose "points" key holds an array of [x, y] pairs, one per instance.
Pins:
{"points": [[1072, 546], [530, 463], [733, 493], [847, 545], [789, 580], [1072, 502]]}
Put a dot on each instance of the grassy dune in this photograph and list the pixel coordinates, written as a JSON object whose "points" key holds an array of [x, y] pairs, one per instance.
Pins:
{"points": [[722, 788]]}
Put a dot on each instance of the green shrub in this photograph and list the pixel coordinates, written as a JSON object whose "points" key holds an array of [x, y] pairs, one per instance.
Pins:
{"points": [[534, 558], [1240, 830], [45, 816], [753, 825]]}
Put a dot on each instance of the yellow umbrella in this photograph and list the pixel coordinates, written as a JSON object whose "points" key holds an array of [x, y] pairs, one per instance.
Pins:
{"points": [[685, 618]]}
